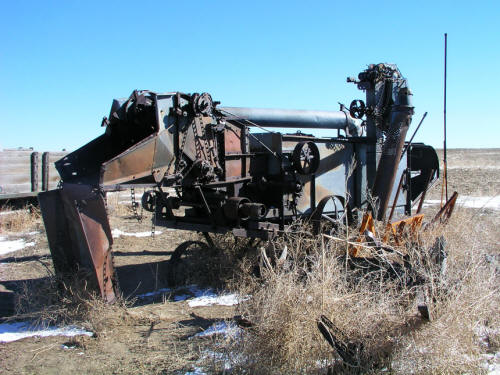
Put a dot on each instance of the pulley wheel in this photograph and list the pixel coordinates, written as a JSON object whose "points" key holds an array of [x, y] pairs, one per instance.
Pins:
{"points": [[357, 109], [305, 157], [149, 199], [331, 204]]}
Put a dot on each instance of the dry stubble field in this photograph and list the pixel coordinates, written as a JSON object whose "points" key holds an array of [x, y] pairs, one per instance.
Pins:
{"points": [[157, 333]]}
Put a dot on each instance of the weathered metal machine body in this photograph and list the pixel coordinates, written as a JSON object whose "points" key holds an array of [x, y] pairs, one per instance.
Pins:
{"points": [[212, 173]]}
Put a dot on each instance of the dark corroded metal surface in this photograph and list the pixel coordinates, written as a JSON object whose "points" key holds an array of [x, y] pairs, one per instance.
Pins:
{"points": [[79, 235]]}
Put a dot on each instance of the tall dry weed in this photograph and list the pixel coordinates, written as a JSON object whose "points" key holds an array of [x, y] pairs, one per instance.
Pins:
{"points": [[53, 301], [374, 306], [20, 220]]}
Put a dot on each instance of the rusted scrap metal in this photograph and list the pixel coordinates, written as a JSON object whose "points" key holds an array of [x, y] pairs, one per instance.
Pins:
{"points": [[79, 236], [349, 351], [445, 212], [228, 179], [397, 232]]}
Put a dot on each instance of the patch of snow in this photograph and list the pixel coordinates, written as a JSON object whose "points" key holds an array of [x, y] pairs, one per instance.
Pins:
{"points": [[197, 292], [14, 245], [196, 371], [193, 291], [472, 202], [197, 297], [219, 328], [181, 297], [117, 233], [475, 167], [492, 363], [224, 300], [210, 299], [16, 331], [155, 293]]}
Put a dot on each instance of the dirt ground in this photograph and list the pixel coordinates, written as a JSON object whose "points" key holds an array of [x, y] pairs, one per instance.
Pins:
{"points": [[471, 172], [156, 334]]}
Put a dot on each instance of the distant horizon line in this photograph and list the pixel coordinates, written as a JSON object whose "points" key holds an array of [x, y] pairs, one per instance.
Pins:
{"points": [[66, 150]]}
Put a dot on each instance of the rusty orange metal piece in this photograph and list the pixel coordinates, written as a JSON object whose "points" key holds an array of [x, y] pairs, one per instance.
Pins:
{"points": [[445, 212], [366, 224], [397, 232], [79, 236], [397, 229]]}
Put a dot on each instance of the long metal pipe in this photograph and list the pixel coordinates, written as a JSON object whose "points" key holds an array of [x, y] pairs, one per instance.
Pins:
{"points": [[392, 150], [288, 118]]}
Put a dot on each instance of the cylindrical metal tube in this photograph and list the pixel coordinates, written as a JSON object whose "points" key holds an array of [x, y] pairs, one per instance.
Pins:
{"points": [[392, 149], [253, 210], [287, 118]]}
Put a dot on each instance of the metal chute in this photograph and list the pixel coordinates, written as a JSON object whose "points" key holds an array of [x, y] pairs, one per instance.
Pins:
{"points": [[79, 236]]}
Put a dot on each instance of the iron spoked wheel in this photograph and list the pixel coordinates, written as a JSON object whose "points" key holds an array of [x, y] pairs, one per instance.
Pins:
{"points": [[357, 109], [305, 157], [184, 262], [148, 200], [323, 223]]}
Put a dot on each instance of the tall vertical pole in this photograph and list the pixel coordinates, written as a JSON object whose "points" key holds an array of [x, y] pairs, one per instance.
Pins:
{"points": [[444, 117]]}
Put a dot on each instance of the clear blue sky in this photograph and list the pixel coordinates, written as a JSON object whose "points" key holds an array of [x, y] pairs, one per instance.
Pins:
{"points": [[61, 63]]}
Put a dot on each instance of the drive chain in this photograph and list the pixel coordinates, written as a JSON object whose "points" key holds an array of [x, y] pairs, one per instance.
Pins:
{"points": [[134, 206]]}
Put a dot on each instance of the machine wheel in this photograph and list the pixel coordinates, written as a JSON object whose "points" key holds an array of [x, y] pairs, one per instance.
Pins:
{"points": [[183, 262], [322, 223], [149, 199], [305, 157], [357, 109]]}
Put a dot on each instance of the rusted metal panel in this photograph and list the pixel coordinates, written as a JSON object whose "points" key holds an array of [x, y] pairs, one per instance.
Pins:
{"points": [[79, 235], [164, 154], [233, 168], [330, 178], [130, 165], [234, 164], [232, 140]]}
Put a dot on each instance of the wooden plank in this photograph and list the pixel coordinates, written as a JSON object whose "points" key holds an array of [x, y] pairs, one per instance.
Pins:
{"points": [[18, 195], [16, 188], [17, 178], [15, 171]]}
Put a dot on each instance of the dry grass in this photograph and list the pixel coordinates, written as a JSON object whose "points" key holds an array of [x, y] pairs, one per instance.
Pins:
{"points": [[374, 307], [117, 207], [52, 301], [19, 220], [218, 267]]}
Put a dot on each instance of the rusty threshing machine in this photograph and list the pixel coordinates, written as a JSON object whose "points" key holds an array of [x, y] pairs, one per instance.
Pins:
{"points": [[215, 169]]}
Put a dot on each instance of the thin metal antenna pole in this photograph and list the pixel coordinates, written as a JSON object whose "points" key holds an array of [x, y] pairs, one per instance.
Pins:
{"points": [[444, 116]]}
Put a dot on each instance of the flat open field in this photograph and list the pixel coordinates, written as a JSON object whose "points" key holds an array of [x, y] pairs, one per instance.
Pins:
{"points": [[162, 329]]}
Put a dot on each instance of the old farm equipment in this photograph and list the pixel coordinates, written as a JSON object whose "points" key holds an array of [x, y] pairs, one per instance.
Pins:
{"points": [[209, 172]]}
